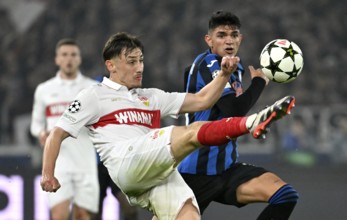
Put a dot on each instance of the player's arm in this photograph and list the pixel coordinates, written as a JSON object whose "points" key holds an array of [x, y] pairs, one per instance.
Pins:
{"points": [[50, 153], [231, 106], [84, 110], [38, 117], [209, 95]]}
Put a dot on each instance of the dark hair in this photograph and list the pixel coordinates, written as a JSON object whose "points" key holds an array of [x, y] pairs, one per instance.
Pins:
{"points": [[223, 18], [66, 41], [119, 42]]}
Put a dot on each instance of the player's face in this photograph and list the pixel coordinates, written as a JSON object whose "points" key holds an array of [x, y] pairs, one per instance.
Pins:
{"points": [[224, 40], [127, 69], [68, 59]]}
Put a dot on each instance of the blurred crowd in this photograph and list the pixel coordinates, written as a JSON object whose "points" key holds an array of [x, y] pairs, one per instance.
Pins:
{"points": [[172, 32]]}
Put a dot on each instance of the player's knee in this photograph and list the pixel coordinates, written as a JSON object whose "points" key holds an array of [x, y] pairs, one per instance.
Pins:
{"points": [[286, 194], [184, 141], [81, 213], [194, 129], [60, 211], [59, 216]]}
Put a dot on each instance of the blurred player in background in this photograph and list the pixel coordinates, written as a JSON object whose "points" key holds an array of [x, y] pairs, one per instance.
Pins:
{"points": [[124, 123], [76, 165], [214, 173]]}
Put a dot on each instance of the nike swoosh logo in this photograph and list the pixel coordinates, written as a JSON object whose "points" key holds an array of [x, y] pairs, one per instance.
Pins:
{"points": [[211, 64]]}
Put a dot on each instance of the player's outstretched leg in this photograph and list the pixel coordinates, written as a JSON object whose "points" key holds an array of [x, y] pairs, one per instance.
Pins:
{"points": [[222, 131], [258, 123]]}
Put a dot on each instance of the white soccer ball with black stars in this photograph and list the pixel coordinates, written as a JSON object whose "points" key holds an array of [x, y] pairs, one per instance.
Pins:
{"points": [[281, 60]]}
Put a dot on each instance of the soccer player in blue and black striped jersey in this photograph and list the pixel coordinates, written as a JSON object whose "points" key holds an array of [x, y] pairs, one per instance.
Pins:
{"points": [[214, 173]]}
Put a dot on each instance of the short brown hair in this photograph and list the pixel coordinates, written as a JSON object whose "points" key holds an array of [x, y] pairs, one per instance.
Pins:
{"points": [[119, 42], [66, 41]]}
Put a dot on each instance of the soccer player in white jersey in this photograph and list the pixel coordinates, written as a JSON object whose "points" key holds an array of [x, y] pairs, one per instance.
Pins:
{"points": [[124, 123], [76, 166]]}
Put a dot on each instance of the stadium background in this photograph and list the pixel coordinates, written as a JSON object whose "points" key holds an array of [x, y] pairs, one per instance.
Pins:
{"points": [[172, 32]]}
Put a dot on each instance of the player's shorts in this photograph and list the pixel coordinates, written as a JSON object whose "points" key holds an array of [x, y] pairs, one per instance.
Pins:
{"points": [[143, 168], [81, 188], [222, 188]]}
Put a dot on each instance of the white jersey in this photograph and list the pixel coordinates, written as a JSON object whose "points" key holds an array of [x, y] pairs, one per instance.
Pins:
{"points": [[114, 114], [50, 101], [125, 128]]}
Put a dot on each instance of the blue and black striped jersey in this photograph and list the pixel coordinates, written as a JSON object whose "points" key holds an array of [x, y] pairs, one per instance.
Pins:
{"points": [[211, 160]]}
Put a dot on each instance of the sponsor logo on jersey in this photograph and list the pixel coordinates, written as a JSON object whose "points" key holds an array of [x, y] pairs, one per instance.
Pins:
{"points": [[211, 63], [147, 118], [69, 117], [56, 109]]}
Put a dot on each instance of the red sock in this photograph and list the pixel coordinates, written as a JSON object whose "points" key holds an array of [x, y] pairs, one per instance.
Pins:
{"points": [[221, 131]]}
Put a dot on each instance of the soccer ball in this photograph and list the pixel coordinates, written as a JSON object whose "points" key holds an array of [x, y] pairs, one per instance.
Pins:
{"points": [[281, 60]]}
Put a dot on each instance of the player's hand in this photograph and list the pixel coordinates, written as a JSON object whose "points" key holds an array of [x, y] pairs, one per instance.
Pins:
{"points": [[229, 65], [49, 183], [258, 73]]}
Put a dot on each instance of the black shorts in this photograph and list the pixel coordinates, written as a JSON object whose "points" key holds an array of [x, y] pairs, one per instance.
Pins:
{"points": [[222, 188]]}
